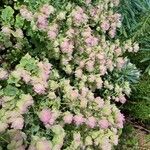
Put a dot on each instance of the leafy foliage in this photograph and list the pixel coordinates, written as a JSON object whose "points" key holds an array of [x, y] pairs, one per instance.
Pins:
{"points": [[7, 15], [129, 140], [139, 106], [136, 25]]}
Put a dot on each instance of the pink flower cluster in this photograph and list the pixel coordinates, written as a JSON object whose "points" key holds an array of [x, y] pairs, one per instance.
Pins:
{"points": [[3, 74], [42, 17], [39, 82], [105, 25], [67, 46], [25, 13], [52, 32], [42, 22], [43, 145], [47, 9], [68, 118], [120, 120], [25, 75], [79, 17], [6, 30], [91, 41], [25, 102], [16, 139], [15, 119], [121, 98], [91, 122], [48, 117], [131, 47], [111, 24], [103, 124]]}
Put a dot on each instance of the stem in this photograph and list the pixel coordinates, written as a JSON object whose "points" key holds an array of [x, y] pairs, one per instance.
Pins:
{"points": [[4, 140]]}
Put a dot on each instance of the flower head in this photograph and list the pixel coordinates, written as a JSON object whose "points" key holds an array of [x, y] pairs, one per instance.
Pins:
{"points": [[78, 119], [105, 25], [68, 118], [47, 9], [45, 116], [3, 74], [44, 145], [103, 124], [17, 123], [39, 88], [91, 122]]}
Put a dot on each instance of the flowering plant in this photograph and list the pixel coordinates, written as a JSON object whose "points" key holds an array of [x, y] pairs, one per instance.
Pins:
{"points": [[66, 83]]}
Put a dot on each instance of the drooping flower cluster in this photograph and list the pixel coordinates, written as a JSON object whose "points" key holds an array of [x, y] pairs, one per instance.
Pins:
{"points": [[69, 84]]}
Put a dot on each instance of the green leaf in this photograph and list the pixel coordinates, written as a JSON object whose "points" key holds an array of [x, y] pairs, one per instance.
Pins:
{"points": [[7, 15], [19, 21], [145, 59], [11, 91], [148, 70]]}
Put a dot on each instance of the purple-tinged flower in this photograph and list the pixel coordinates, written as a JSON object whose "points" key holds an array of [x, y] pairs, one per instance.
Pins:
{"points": [[67, 46], [52, 32], [47, 9], [3, 126], [77, 137], [104, 124], [122, 98], [68, 118], [3, 74], [6, 30], [45, 116], [44, 145], [120, 120], [17, 123], [91, 41], [39, 88], [26, 13], [120, 62], [105, 25], [91, 122], [78, 119], [26, 76], [42, 22], [74, 94], [99, 101]]}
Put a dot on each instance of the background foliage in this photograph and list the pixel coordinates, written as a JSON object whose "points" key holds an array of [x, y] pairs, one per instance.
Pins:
{"points": [[136, 25]]}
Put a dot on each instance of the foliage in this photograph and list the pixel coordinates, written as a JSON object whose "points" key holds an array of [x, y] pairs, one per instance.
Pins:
{"points": [[133, 138], [136, 25], [139, 107], [128, 139]]}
